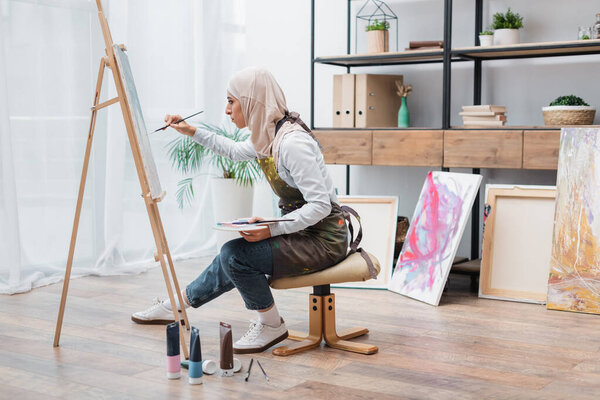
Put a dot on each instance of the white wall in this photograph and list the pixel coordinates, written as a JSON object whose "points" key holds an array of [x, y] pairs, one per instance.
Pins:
{"points": [[278, 37]]}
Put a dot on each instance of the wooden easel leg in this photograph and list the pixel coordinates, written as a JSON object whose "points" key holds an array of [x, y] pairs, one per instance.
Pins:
{"points": [[172, 268], [159, 240], [333, 339], [86, 161], [315, 330]]}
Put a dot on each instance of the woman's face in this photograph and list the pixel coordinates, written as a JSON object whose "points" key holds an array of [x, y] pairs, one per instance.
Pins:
{"points": [[234, 110]]}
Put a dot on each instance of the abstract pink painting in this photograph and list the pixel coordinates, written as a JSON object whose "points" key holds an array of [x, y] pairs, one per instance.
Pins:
{"points": [[434, 234]]}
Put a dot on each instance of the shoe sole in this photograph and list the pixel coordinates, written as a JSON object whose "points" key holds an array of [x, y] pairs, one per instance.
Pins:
{"points": [[155, 321], [249, 350]]}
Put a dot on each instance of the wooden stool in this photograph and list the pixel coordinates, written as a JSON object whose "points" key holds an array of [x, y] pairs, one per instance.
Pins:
{"points": [[321, 303]]}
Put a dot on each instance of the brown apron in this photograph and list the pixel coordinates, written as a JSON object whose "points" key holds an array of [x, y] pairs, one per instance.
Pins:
{"points": [[312, 249], [319, 246]]}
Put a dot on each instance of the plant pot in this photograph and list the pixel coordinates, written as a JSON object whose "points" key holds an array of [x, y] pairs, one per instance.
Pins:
{"points": [[503, 37], [569, 115], [378, 41], [486, 40], [230, 201]]}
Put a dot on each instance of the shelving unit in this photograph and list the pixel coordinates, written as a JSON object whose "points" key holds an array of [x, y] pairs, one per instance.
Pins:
{"points": [[526, 147]]}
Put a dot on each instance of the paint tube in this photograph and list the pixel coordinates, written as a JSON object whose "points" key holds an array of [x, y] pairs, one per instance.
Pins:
{"points": [[195, 369], [173, 357], [226, 349]]}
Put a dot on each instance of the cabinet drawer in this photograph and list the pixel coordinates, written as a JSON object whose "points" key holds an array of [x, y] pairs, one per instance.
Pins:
{"points": [[346, 147], [540, 149], [413, 148], [483, 149]]}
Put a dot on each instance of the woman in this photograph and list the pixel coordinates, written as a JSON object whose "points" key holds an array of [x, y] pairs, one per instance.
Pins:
{"points": [[290, 158]]}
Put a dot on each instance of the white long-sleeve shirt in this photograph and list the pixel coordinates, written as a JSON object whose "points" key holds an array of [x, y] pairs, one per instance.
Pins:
{"points": [[301, 166]]}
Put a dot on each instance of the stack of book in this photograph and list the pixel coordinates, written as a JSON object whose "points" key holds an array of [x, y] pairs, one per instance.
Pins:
{"points": [[484, 115]]}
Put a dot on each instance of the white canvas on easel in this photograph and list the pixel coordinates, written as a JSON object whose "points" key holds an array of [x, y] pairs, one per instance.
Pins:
{"points": [[138, 121]]}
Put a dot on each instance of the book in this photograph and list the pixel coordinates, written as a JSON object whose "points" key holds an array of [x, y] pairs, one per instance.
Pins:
{"points": [[423, 48], [426, 43], [499, 117], [485, 107], [480, 113], [483, 123]]}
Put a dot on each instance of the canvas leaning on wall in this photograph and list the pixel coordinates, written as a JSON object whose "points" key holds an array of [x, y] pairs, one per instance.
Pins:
{"points": [[437, 226], [517, 242], [378, 218], [574, 283]]}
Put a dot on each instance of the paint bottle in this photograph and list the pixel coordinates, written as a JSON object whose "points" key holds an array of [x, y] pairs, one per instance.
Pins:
{"points": [[195, 365], [226, 349], [173, 357]]}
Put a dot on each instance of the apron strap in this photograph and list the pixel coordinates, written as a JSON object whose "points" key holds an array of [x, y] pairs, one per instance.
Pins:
{"points": [[294, 118], [347, 211]]}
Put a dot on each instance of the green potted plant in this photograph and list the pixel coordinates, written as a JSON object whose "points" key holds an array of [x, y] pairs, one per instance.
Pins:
{"points": [[486, 38], [231, 190], [378, 36], [506, 28], [569, 110]]}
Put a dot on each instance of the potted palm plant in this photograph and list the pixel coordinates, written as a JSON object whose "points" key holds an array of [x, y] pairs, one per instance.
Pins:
{"points": [[231, 190], [378, 36], [506, 27]]}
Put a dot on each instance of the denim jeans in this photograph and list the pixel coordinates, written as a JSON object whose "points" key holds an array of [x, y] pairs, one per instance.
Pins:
{"points": [[241, 264]]}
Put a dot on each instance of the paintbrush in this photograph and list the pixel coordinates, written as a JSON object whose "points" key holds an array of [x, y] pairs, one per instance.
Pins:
{"points": [[263, 371], [249, 369], [176, 122]]}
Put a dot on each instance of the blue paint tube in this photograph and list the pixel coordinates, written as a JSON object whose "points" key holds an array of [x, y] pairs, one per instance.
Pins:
{"points": [[173, 357], [195, 365]]}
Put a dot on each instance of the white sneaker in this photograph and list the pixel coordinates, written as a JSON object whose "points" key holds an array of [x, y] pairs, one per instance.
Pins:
{"points": [[260, 337], [157, 314]]}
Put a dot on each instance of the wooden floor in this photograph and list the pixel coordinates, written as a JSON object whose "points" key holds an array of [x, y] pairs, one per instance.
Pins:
{"points": [[467, 348]]}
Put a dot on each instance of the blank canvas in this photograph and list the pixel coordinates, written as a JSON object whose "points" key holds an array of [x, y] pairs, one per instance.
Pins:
{"points": [[517, 243], [436, 227], [378, 216], [139, 126]]}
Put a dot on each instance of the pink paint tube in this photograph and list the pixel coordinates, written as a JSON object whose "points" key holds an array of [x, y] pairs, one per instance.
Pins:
{"points": [[173, 356]]}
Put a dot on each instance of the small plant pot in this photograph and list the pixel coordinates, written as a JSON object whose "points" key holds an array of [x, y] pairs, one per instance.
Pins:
{"points": [[486, 40], [569, 115], [378, 41], [504, 37]]}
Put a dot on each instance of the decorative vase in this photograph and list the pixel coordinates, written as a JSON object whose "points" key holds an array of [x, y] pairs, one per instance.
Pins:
{"points": [[403, 115], [377, 41], [505, 37], [486, 40]]}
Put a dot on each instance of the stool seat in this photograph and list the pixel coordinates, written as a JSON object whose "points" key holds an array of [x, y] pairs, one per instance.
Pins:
{"points": [[321, 307], [353, 268]]}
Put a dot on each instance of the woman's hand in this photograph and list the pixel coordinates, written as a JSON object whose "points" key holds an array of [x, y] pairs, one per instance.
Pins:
{"points": [[183, 127], [256, 235]]}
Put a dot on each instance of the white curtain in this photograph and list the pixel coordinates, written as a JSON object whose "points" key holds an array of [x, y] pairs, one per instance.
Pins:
{"points": [[181, 53]]}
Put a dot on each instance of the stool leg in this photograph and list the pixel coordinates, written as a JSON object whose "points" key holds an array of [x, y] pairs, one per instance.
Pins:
{"points": [[315, 330], [333, 339]]}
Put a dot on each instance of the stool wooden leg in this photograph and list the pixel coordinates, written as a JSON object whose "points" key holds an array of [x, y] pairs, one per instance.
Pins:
{"points": [[315, 330], [337, 341]]}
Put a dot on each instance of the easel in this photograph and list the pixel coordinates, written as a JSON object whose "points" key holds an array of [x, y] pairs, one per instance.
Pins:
{"points": [[151, 203]]}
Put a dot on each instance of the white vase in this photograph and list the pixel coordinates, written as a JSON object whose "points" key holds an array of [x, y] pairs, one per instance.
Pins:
{"points": [[503, 37], [486, 40], [230, 201]]}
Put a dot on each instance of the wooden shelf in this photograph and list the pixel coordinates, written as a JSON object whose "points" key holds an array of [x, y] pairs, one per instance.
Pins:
{"points": [[389, 58], [529, 50]]}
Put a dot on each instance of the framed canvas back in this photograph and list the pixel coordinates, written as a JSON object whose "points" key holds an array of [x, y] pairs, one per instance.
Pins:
{"points": [[517, 243], [378, 217]]}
